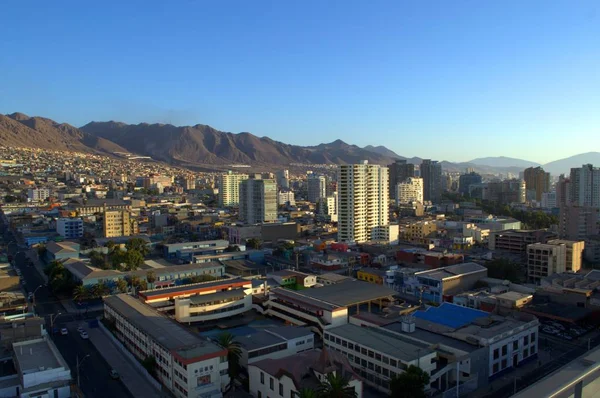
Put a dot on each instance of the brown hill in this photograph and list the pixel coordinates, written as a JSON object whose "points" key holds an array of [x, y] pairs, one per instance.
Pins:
{"points": [[20, 130], [201, 144]]}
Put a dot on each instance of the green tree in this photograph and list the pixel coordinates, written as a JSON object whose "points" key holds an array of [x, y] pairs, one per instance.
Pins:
{"points": [[41, 250], [502, 268], [121, 285], [336, 385], [226, 340], [10, 199], [253, 243], [307, 393], [110, 245], [80, 293], [150, 277], [139, 245], [97, 260], [133, 260], [201, 278], [409, 384], [116, 257]]}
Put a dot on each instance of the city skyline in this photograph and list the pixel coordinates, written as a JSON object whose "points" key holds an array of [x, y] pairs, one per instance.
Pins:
{"points": [[370, 75]]}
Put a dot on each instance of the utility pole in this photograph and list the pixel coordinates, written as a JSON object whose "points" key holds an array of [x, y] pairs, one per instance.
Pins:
{"points": [[78, 365]]}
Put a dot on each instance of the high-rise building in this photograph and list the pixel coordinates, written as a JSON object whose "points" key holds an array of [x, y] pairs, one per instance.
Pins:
{"points": [[119, 223], [585, 186], [327, 207], [316, 187], [363, 200], [465, 180], [431, 173], [258, 200], [399, 171], [578, 222], [229, 188], [563, 191], [537, 181], [283, 179], [411, 190]]}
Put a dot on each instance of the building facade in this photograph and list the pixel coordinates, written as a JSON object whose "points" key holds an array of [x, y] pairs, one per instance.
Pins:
{"points": [[229, 188], [466, 180], [577, 222], [409, 191], [70, 228], [544, 259], [258, 201], [316, 187], [119, 223], [399, 172], [431, 173], [585, 186], [38, 194], [363, 201], [537, 181]]}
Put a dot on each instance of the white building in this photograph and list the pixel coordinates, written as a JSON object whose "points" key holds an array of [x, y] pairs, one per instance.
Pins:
{"points": [[363, 200], [409, 191], [478, 234], [70, 228], [280, 378], [38, 194], [317, 187], [585, 186], [283, 178], [229, 188], [549, 200], [274, 343], [379, 355], [187, 364], [284, 197], [41, 371], [258, 201], [386, 233], [327, 207]]}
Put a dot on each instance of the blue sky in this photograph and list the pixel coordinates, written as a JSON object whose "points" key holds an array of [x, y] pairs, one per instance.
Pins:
{"points": [[449, 80]]}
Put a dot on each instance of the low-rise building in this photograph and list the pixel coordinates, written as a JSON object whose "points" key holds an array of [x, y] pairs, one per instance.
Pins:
{"points": [[274, 343], [196, 248], [387, 234], [59, 251], [419, 232], [371, 275], [516, 241], [187, 364], [293, 279], [574, 253], [332, 279], [285, 378], [545, 259], [70, 228]]}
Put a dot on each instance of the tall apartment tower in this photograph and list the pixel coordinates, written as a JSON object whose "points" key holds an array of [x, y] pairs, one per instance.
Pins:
{"points": [[578, 222], [585, 186], [316, 187], [363, 200], [258, 200], [229, 188], [399, 171], [563, 191], [537, 181], [411, 190], [431, 173], [283, 178]]}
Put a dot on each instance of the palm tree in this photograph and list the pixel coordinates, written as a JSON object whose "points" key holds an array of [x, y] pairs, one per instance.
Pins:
{"points": [[80, 293], [336, 385], [307, 393], [226, 340], [121, 285]]}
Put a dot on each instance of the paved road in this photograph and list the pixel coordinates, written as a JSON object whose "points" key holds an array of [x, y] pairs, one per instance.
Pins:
{"points": [[94, 371]]}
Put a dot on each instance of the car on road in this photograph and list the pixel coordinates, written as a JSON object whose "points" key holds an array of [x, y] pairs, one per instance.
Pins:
{"points": [[114, 374], [64, 331], [80, 329], [23, 282], [84, 335]]}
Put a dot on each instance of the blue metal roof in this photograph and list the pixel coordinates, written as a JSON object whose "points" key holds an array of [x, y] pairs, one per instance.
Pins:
{"points": [[451, 315]]}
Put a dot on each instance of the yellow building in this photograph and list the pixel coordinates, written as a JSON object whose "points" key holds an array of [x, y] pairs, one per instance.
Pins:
{"points": [[419, 232], [119, 223], [574, 253], [371, 275]]}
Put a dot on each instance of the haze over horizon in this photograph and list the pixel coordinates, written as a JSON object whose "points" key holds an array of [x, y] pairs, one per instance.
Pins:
{"points": [[452, 82]]}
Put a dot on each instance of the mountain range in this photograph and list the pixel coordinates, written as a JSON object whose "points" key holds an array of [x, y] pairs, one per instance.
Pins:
{"points": [[200, 145]]}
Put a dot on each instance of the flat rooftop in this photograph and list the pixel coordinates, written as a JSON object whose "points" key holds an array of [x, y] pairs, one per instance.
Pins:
{"points": [[451, 315], [383, 341], [348, 293], [31, 355], [452, 270], [163, 330], [333, 277], [149, 294], [271, 336]]}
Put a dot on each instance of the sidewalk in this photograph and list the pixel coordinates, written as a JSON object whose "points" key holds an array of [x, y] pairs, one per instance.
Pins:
{"points": [[39, 266], [135, 382]]}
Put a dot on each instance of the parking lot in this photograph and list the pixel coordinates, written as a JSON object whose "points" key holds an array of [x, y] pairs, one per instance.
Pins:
{"points": [[563, 331]]}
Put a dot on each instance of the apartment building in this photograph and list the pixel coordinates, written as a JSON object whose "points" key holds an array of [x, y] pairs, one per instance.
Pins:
{"points": [[431, 173], [578, 222], [516, 241], [362, 200], [409, 191], [585, 186], [38, 194], [119, 223], [537, 181], [258, 200], [229, 188], [574, 253], [399, 172], [327, 207], [466, 180], [419, 232], [545, 259], [386, 234], [70, 228], [187, 364], [316, 187]]}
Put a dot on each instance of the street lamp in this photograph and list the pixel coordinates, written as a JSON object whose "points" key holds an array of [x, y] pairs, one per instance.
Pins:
{"points": [[53, 318], [34, 292], [79, 363]]}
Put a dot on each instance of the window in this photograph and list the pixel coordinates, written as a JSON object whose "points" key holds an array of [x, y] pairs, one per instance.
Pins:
{"points": [[515, 345], [262, 378], [357, 348], [371, 354], [505, 350], [363, 363], [351, 346], [526, 340], [495, 368], [363, 351], [259, 394], [386, 360], [532, 349], [386, 372], [532, 337], [272, 384], [496, 353], [281, 389], [378, 357], [525, 352], [503, 364], [344, 343], [393, 362], [338, 340]]}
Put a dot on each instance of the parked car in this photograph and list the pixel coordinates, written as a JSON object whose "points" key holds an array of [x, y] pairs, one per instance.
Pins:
{"points": [[84, 335], [80, 329], [114, 374], [64, 331]]}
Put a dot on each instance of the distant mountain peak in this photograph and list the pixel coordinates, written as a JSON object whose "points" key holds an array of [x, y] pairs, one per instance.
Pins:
{"points": [[503, 161], [384, 151], [18, 116]]}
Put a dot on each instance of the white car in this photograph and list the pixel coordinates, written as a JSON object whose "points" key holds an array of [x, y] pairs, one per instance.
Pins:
{"points": [[80, 329], [84, 335], [64, 331]]}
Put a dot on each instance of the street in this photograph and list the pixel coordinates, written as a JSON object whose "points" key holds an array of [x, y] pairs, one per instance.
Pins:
{"points": [[93, 369]]}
